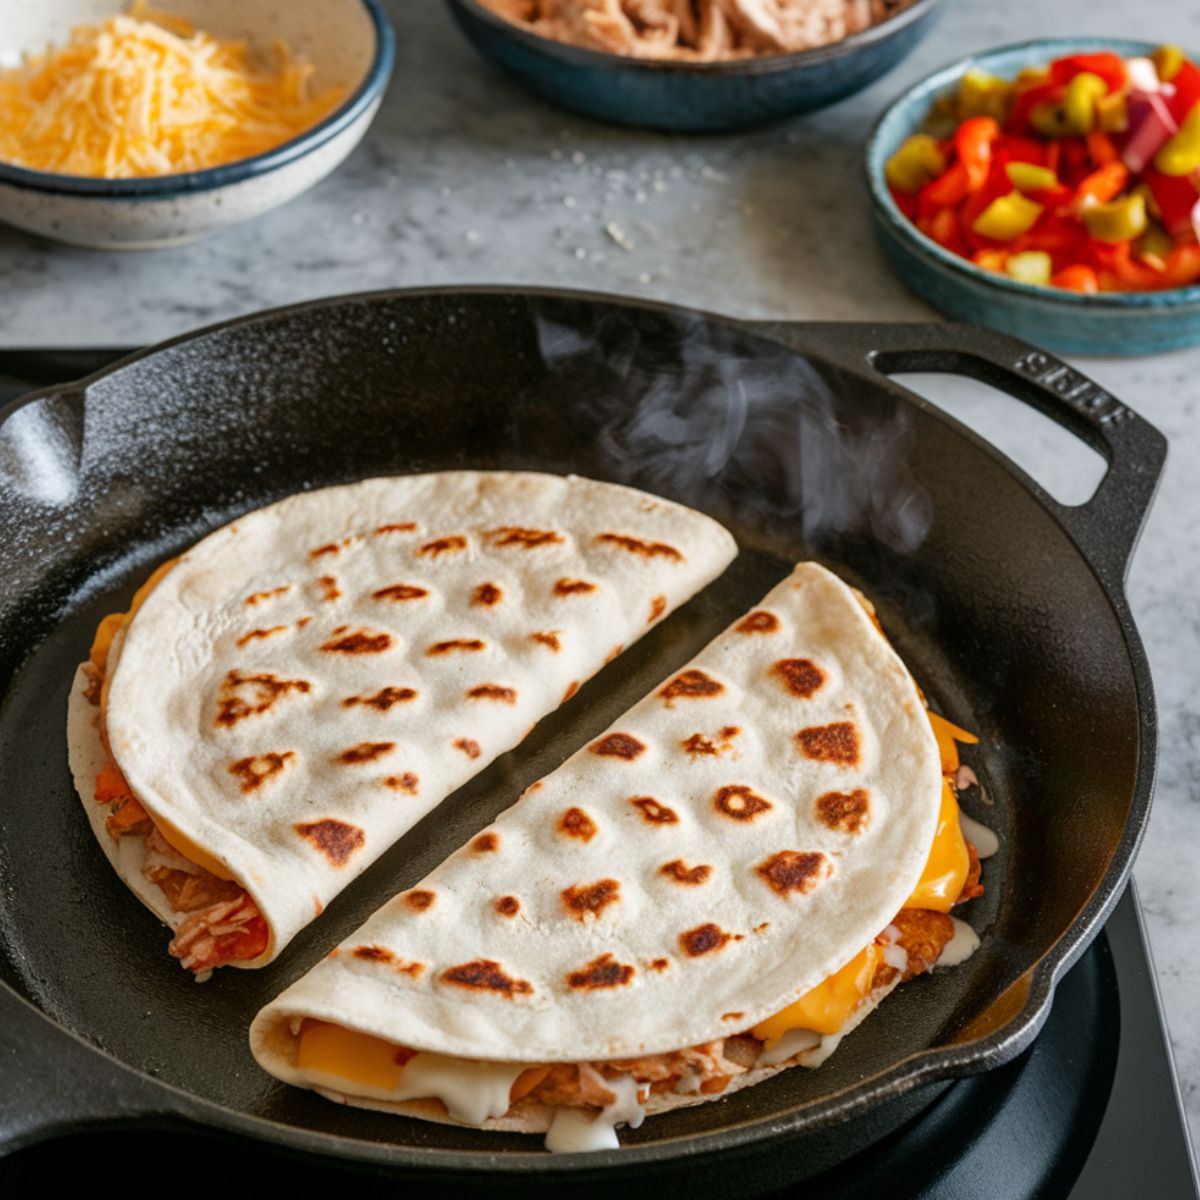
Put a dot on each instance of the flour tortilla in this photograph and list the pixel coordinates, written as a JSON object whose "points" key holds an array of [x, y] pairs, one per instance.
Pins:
{"points": [[309, 681], [611, 955]]}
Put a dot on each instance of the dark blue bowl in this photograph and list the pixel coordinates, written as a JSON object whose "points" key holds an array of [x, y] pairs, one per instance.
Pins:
{"points": [[693, 97], [1107, 323]]}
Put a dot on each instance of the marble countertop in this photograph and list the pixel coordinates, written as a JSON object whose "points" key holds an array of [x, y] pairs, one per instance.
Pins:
{"points": [[466, 179]]}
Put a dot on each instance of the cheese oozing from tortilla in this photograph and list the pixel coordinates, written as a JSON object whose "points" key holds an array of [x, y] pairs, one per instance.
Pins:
{"points": [[332, 1056]]}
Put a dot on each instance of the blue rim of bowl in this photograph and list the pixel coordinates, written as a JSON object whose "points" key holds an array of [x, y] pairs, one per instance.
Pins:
{"points": [[165, 187], [938, 81], [763, 64]]}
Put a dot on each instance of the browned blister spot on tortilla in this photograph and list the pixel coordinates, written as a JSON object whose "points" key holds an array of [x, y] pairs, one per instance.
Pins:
{"points": [[485, 975], [445, 545], [691, 685], [602, 972], [740, 802], [704, 939], [493, 691], [794, 871], [732, 1016], [617, 745], [365, 752], [679, 871], [419, 899], [321, 551], [486, 595], [653, 811], [383, 699], [361, 641], [318, 907], [413, 970], [401, 592], [573, 587], [758, 622], [548, 638], [801, 676], [244, 696], [485, 843], [380, 954], [456, 645], [397, 527], [697, 744], [577, 824], [300, 624], [590, 899], [572, 688], [638, 546], [259, 597], [660, 964], [254, 771], [847, 811], [408, 782], [507, 906], [468, 746], [329, 588], [836, 743], [256, 635], [614, 652], [514, 535], [658, 606], [335, 839]]}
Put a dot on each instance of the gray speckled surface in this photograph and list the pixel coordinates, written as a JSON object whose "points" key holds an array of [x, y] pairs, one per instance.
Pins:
{"points": [[465, 179]]}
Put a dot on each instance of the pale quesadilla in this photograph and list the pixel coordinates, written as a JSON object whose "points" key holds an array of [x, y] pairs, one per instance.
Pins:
{"points": [[721, 885], [297, 690]]}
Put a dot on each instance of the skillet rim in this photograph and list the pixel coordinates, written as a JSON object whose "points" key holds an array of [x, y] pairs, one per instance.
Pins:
{"points": [[921, 1067]]}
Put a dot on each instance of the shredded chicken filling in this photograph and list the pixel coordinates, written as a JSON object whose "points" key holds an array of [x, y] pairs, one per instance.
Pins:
{"points": [[224, 924], [697, 30]]}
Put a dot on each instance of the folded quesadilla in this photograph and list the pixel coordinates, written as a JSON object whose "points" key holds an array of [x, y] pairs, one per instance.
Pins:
{"points": [[293, 693], [721, 885]]}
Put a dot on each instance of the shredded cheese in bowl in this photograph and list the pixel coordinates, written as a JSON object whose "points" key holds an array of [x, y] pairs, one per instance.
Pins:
{"points": [[147, 94]]}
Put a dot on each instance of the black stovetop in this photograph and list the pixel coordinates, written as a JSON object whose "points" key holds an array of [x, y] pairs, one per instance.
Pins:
{"points": [[1090, 1112]]}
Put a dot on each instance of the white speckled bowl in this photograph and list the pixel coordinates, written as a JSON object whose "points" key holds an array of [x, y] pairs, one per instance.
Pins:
{"points": [[348, 41]]}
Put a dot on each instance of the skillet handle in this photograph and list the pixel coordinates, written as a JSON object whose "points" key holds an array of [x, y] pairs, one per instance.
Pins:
{"points": [[1107, 526], [52, 1083]]}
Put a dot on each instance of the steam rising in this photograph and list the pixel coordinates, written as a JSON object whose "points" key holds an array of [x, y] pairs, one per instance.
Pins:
{"points": [[701, 412]]}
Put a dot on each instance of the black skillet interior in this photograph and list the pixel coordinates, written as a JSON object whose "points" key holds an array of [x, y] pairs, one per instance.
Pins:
{"points": [[984, 584]]}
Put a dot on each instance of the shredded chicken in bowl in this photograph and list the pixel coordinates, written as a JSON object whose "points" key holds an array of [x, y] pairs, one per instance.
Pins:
{"points": [[696, 30]]}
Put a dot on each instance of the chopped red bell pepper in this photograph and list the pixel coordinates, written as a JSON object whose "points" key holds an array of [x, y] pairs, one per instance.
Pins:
{"points": [[973, 142], [1106, 65], [1187, 91]]}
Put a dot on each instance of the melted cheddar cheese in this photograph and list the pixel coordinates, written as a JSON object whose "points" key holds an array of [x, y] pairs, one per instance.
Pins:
{"points": [[355, 1057], [941, 882], [828, 1006]]}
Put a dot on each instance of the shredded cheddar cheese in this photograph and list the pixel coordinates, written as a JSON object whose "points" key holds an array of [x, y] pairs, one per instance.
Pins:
{"points": [[147, 94]]}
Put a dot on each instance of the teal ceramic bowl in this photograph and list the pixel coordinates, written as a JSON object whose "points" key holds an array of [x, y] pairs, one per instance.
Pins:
{"points": [[1106, 323]]}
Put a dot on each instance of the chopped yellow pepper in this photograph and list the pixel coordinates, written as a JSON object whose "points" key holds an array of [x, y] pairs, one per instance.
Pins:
{"points": [[1154, 246], [918, 161], [1007, 217], [1076, 114], [983, 95], [1030, 266], [1112, 112], [1026, 177], [1118, 220], [1181, 155], [1167, 61]]}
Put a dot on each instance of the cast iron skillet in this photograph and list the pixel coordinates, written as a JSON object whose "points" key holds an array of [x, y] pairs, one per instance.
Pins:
{"points": [[1008, 606]]}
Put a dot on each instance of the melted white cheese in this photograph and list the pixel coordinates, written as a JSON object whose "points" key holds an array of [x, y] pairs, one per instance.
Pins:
{"points": [[794, 1042], [573, 1131], [961, 946], [986, 843], [471, 1091]]}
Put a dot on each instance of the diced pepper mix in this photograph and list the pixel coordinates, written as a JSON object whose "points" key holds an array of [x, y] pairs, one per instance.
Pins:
{"points": [[1083, 174]]}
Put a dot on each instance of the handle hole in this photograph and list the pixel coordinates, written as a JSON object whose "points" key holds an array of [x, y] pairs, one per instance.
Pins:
{"points": [[1069, 469]]}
